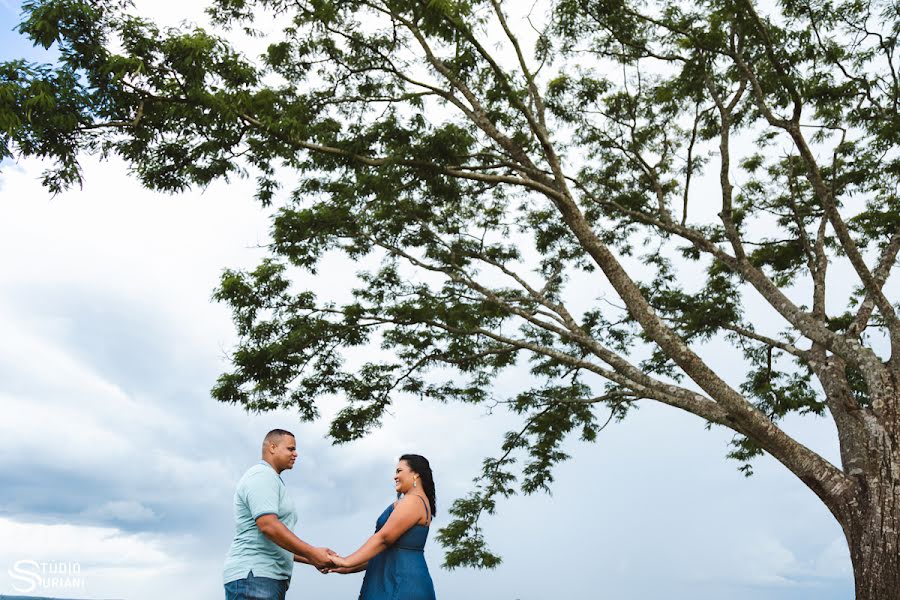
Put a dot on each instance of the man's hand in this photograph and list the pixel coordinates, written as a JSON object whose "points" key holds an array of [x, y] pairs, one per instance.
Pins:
{"points": [[321, 557]]}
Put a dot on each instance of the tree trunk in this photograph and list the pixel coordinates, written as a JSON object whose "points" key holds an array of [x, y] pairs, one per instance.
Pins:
{"points": [[869, 512], [872, 527]]}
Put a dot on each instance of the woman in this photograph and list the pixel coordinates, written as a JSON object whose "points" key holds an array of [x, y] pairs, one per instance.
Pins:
{"points": [[393, 557]]}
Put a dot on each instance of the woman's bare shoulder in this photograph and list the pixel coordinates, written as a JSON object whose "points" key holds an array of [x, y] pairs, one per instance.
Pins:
{"points": [[407, 500]]}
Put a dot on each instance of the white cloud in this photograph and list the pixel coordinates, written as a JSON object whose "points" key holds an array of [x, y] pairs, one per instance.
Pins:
{"points": [[108, 562], [91, 546], [103, 557]]}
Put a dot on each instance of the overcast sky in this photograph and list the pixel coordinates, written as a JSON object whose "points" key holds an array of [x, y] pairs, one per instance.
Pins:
{"points": [[113, 455]]}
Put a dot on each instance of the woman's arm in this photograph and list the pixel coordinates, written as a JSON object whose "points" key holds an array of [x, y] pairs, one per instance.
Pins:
{"points": [[348, 570], [406, 514]]}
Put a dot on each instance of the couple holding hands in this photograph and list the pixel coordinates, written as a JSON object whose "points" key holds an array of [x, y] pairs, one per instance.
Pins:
{"points": [[261, 558]]}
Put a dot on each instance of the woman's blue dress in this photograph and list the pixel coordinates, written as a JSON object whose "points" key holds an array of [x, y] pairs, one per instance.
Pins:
{"points": [[399, 572]]}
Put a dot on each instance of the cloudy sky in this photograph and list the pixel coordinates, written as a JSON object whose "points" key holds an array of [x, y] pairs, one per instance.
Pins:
{"points": [[113, 455]]}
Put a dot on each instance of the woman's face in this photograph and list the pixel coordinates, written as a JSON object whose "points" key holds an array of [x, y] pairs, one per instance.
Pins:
{"points": [[404, 477]]}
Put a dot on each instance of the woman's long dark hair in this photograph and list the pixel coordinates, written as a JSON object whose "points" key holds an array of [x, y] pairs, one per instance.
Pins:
{"points": [[419, 465]]}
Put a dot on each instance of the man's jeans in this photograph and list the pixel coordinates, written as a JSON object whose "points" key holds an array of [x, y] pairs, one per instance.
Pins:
{"points": [[256, 588]]}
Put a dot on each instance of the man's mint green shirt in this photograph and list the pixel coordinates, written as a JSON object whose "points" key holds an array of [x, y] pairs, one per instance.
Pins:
{"points": [[259, 492]]}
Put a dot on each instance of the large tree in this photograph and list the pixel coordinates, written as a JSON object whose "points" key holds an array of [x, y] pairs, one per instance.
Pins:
{"points": [[495, 168]]}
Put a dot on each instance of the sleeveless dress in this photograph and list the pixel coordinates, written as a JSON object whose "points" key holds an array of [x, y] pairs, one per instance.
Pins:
{"points": [[399, 571]]}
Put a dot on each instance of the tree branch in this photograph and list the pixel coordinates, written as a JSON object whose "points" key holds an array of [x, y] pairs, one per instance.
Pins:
{"points": [[771, 342], [882, 271], [460, 172]]}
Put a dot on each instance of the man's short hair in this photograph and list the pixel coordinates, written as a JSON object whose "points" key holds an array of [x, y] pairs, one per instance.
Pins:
{"points": [[274, 436]]}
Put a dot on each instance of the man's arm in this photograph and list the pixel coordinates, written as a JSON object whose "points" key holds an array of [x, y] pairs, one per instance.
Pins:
{"points": [[276, 531]]}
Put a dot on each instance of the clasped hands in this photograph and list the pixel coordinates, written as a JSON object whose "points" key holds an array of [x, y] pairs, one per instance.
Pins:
{"points": [[332, 563]]}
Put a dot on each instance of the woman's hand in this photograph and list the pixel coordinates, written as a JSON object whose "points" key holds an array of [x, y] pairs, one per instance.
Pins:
{"points": [[339, 570], [339, 562]]}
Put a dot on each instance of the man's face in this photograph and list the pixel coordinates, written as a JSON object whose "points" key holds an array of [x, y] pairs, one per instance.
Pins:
{"points": [[284, 453]]}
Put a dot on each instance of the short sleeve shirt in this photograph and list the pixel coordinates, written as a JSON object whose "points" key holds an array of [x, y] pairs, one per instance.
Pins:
{"points": [[259, 492]]}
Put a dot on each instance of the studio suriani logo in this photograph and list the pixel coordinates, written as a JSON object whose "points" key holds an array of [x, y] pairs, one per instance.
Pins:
{"points": [[31, 576]]}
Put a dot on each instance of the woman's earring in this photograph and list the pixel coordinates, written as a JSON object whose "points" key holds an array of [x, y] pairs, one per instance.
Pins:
{"points": [[414, 483]]}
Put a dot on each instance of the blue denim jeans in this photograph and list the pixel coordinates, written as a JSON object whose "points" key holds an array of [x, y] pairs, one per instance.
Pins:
{"points": [[256, 588]]}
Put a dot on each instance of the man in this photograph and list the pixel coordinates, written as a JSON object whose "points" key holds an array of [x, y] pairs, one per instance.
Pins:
{"points": [[262, 555]]}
